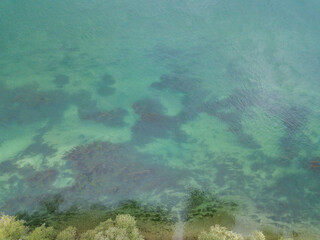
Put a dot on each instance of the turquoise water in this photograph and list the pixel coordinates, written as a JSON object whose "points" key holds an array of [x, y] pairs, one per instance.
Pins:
{"points": [[106, 101]]}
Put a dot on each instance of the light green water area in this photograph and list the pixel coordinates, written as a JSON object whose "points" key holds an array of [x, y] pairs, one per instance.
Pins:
{"points": [[104, 101]]}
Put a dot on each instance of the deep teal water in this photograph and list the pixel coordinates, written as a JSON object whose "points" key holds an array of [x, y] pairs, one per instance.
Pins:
{"points": [[105, 101]]}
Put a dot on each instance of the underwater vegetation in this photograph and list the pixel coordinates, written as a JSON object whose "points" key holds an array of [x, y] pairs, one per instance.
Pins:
{"points": [[314, 164], [38, 147], [26, 104], [88, 110], [201, 204], [153, 123], [204, 209], [178, 82], [120, 165], [61, 80], [112, 118], [101, 170], [104, 86], [44, 177]]}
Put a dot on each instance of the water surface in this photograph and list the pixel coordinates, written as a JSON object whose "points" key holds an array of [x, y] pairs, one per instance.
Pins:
{"points": [[107, 101]]}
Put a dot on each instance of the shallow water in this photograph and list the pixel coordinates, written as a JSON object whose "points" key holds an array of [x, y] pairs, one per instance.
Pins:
{"points": [[106, 101]]}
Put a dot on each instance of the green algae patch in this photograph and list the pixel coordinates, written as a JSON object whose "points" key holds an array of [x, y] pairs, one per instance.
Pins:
{"points": [[203, 210]]}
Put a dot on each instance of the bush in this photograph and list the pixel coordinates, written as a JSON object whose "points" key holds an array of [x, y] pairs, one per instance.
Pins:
{"points": [[69, 233], [219, 233], [43, 233], [123, 228], [256, 236], [12, 229]]}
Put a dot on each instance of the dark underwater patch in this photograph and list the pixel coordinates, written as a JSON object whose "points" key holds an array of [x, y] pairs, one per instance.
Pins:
{"points": [[83, 100], [10, 166], [233, 120], [117, 171], [285, 196], [153, 123], [38, 147], [104, 86], [178, 82], [148, 105], [193, 104], [107, 79], [24, 105], [229, 109], [7, 167], [294, 117], [88, 110], [312, 164], [294, 140], [61, 80], [112, 118], [42, 178], [201, 204]]}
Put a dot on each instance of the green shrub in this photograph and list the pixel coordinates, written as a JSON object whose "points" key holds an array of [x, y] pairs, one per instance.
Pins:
{"points": [[69, 233], [219, 233], [43, 233], [12, 229], [256, 236], [123, 228]]}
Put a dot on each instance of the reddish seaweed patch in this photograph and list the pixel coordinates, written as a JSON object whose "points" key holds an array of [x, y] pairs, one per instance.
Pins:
{"points": [[113, 118], [24, 105], [178, 82], [42, 178], [153, 123], [104, 85], [312, 165], [109, 169]]}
